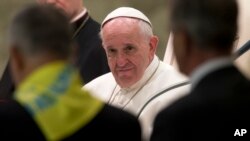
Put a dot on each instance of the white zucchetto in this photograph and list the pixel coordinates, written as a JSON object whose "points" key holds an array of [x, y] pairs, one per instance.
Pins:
{"points": [[126, 12]]}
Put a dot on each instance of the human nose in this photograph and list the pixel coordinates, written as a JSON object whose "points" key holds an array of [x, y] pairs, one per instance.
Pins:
{"points": [[121, 59]]}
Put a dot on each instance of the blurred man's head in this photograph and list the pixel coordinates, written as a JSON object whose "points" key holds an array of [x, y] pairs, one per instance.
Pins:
{"points": [[206, 27], [129, 44], [38, 34], [71, 7]]}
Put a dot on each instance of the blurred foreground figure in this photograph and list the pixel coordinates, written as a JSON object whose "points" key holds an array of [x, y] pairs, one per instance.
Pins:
{"points": [[140, 82], [48, 103], [90, 57], [218, 105]]}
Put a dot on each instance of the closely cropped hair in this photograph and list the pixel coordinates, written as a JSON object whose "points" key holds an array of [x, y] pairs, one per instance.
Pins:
{"points": [[41, 28], [209, 22]]}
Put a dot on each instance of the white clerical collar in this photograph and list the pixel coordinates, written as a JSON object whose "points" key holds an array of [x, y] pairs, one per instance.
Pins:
{"points": [[77, 17], [207, 68], [146, 76]]}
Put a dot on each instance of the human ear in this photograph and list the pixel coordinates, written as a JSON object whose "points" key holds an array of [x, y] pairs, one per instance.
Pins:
{"points": [[16, 64], [153, 44]]}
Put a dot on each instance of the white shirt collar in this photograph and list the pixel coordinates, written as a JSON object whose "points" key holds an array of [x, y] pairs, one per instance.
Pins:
{"points": [[207, 68], [84, 11]]}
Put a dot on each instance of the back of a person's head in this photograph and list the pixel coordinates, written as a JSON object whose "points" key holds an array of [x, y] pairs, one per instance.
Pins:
{"points": [[41, 29], [211, 23]]}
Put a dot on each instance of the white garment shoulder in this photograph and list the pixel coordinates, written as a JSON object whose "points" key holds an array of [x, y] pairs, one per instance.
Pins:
{"points": [[102, 86]]}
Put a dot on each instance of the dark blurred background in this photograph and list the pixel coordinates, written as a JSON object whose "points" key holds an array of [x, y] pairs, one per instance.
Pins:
{"points": [[155, 9]]}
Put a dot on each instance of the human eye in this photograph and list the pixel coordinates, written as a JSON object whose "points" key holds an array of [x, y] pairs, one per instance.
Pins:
{"points": [[130, 49], [111, 52]]}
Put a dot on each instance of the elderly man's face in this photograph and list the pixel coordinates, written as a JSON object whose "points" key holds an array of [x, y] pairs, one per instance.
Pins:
{"points": [[129, 52], [70, 7]]}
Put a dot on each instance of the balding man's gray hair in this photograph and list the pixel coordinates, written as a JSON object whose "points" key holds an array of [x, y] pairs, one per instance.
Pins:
{"points": [[145, 28], [39, 29], [132, 13]]}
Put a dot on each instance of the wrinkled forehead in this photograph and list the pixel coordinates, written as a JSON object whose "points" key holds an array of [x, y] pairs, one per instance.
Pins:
{"points": [[122, 21], [121, 26], [128, 27]]}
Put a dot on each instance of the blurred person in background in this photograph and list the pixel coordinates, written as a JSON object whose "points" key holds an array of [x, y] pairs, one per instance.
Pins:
{"points": [[204, 32], [48, 103], [90, 57]]}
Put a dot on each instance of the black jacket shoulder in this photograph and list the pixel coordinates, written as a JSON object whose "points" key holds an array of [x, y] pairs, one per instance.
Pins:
{"points": [[109, 124]]}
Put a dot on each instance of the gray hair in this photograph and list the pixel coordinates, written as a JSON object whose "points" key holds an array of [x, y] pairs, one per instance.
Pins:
{"points": [[145, 29], [208, 22], [41, 28]]}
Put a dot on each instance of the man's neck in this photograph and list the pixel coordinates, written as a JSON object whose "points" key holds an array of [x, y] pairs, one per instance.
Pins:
{"points": [[80, 14]]}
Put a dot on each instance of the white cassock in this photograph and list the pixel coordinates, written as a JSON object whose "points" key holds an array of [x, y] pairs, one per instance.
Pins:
{"points": [[157, 77]]}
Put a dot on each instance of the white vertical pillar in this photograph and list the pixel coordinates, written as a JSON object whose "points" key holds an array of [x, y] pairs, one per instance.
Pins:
{"points": [[169, 57], [243, 62]]}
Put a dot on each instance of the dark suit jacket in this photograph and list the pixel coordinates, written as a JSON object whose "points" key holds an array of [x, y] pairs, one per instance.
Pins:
{"points": [[91, 59], [110, 124], [6, 84], [214, 109]]}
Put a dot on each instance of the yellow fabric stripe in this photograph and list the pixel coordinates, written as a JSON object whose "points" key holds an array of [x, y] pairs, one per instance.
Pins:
{"points": [[53, 96]]}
